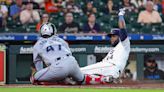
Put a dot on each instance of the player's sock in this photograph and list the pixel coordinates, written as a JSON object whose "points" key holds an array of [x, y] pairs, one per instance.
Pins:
{"points": [[94, 79]]}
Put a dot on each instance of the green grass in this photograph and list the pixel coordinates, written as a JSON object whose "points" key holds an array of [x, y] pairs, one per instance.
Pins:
{"points": [[76, 90]]}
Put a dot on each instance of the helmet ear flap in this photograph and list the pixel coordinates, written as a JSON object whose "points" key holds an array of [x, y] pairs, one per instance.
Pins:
{"points": [[54, 29], [41, 28]]}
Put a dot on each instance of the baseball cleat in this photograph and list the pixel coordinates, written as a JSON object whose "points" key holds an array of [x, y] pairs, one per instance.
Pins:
{"points": [[111, 79], [117, 80], [69, 81], [108, 79], [33, 81]]}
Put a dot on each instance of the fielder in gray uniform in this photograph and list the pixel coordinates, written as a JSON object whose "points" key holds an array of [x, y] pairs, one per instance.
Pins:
{"points": [[56, 55]]}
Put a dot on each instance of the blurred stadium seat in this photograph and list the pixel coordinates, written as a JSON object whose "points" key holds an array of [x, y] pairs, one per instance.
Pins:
{"points": [[106, 21]]}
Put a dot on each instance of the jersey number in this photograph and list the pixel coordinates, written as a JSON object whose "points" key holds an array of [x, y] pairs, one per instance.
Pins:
{"points": [[111, 57], [50, 48]]}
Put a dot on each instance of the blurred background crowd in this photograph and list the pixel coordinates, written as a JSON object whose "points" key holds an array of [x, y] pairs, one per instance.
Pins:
{"points": [[81, 16]]}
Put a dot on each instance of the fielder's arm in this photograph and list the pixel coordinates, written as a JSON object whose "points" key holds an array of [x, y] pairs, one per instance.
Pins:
{"points": [[122, 25], [37, 60]]}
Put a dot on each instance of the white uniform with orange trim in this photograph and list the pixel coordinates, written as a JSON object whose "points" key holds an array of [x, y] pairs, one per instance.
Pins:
{"points": [[114, 63]]}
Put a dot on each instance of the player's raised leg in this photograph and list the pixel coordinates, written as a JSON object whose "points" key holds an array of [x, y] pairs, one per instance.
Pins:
{"points": [[82, 78]]}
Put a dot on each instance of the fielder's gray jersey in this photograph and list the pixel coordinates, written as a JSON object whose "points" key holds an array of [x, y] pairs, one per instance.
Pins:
{"points": [[56, 54], [48, 49]]}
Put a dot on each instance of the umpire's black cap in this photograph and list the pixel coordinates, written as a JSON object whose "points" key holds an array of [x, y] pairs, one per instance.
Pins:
{"points": [[114, 31]]}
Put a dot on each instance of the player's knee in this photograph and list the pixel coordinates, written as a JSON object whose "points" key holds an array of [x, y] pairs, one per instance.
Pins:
{"points": [[81, 81]]}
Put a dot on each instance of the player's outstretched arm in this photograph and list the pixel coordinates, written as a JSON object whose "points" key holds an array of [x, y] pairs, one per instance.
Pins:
{"points": [[122, 24]]}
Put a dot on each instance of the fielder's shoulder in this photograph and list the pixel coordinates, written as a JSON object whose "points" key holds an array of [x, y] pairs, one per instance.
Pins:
{"points": [[38, 43]]}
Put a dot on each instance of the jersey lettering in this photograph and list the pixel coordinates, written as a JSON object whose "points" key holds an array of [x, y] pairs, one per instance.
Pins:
{"points": [[59, 47], [49, 48], [111, 57]]}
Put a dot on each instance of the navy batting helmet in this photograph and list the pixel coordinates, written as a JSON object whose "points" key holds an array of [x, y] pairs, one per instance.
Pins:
{"points": [[114, 31]]}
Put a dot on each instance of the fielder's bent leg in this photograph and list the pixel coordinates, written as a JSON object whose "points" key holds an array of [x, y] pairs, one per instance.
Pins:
{"points": [[51, 74]]}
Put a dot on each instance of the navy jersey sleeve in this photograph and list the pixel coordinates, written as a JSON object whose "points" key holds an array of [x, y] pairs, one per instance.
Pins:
{"points": [[123, 34]]}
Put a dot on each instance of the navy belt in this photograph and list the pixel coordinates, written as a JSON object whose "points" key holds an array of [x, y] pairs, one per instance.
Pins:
{"points": [[59, 58]]}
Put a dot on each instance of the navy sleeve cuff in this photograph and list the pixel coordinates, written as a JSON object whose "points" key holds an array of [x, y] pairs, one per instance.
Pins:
{"points": [[123, 34]]}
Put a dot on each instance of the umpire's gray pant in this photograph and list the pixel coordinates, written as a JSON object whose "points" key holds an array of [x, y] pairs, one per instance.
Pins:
{"points": [[59, 70]]}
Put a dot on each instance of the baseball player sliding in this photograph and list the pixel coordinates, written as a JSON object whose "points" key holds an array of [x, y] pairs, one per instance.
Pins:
{"points": [[62, 66], [114, 63], [56, 55]]}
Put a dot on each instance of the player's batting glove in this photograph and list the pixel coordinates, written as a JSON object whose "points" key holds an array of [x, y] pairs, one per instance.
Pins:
{"points": [[121, 12]]}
